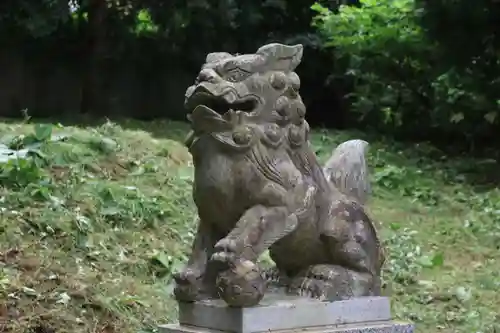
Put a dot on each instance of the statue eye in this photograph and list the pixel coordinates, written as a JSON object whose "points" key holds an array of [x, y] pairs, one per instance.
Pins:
{"points": [[236, 74]]}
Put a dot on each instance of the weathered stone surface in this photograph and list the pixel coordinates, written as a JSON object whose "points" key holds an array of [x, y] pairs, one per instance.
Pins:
{"points": [[283, 313], [376, 327], [258, 185]]}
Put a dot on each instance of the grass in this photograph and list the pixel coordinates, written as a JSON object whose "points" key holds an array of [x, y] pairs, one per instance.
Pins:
{"points": [[93, 224]]}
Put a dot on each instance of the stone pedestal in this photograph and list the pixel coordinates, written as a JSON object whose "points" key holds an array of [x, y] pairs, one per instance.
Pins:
{"points": [[286, 314]]}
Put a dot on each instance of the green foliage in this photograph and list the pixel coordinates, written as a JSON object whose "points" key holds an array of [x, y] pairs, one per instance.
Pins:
{"points": [[380, 49], [396, 60], [21, 159], [433, 223], [110, 217], [145, 23], [99, 200], [398, 75]]}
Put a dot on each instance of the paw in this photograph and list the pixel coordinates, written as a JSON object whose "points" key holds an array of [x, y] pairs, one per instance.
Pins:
{"points": [[323, 273], [242, 285], [224, 257], [187, 293], [188, 285], [226, 245], [187, 276], [225, 251], [310, 288]]}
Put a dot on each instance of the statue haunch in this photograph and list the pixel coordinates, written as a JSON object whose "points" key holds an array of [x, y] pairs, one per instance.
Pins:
{"points": [[259, 186]]}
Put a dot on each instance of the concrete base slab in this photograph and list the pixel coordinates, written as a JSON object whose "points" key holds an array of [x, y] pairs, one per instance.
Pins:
{"points": [[281, 313], [374, 327], [269, 315]]}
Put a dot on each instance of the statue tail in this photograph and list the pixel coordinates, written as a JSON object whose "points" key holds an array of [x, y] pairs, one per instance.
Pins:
{"points": [[347, 170]]}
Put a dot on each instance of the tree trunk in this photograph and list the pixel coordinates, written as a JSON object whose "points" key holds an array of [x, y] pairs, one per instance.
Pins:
{"points": [[92, 94]]}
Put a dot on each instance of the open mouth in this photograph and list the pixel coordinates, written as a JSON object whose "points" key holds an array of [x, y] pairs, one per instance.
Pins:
{"points": [[219, 104]]}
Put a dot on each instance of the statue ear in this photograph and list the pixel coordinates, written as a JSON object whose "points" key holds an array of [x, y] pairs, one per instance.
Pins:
{"points": [[280, 57], [217, 56]]}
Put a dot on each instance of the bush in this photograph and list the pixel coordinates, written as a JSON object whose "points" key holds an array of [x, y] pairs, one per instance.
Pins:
{"points": [[400, 82]]}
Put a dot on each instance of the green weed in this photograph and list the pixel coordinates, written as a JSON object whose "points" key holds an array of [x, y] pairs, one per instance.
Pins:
{"points": [[93, 221]]}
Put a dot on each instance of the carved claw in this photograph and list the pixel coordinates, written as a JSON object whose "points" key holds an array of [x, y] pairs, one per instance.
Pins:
{"points": [[310, 287], [188, 285], [225, 257], [322, 272], [226, 245], [324, 282], [187, 275], [225, 251]]}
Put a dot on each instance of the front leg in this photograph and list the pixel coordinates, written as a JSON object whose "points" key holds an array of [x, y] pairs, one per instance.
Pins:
{"points": [[242, 284], [195, 282], [264, 224], [255, 232]]}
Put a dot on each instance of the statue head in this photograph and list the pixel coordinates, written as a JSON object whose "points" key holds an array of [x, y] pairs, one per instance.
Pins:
{"points": [[250, 88]]}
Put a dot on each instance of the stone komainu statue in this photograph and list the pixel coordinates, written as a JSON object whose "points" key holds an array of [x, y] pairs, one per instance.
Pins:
{"points": [[258, 186]]}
